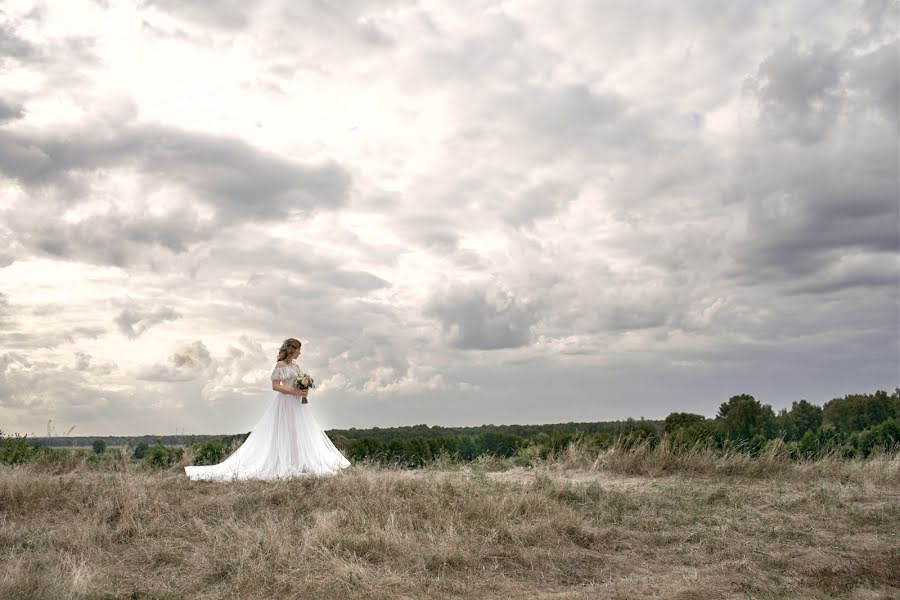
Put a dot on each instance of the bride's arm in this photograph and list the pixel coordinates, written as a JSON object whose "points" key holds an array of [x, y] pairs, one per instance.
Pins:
{"points": [[280, 387]]}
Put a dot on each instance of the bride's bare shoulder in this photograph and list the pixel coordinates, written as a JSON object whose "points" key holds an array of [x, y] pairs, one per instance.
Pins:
{"points": [[281, 363]]}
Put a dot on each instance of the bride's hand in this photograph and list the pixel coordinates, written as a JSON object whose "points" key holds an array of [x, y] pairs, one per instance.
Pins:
{"points": [[303, 393]]}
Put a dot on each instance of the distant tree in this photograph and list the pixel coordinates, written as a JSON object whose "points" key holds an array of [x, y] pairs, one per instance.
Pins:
{"points": [[802, 417], [468, 447], [821, 441], [558, 442], [498, 444], [140, 450], [860, 411], [743, 416], [679, 420], [99, 446]]}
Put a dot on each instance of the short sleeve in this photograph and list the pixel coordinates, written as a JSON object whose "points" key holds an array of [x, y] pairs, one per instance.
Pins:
{"points": [[282, 373]]}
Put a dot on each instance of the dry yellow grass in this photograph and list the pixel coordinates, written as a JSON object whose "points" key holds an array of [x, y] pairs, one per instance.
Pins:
{"points": [[617, 525]]}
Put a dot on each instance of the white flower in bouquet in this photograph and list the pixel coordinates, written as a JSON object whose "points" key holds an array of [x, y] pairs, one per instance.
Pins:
{"points": [[304, 381]]}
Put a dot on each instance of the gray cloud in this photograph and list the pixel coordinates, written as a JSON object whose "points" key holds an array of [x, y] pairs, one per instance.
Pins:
{"points": [[5, 309], [800, 91], [225, 14], [9, 112], [187, 362], [116, 238], [14, 47], [238, 180], [433, 232], [542, 200], [877, 74], [133, 320], [475, 320]]}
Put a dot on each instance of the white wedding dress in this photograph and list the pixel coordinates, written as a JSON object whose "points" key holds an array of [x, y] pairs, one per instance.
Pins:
{"points": [[286, 442]]}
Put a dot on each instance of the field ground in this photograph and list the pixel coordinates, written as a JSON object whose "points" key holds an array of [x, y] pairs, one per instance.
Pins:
{"points": [[565, 529]]}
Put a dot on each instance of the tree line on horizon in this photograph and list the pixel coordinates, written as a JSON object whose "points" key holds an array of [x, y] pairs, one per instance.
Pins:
{"points": [[855, 425]]}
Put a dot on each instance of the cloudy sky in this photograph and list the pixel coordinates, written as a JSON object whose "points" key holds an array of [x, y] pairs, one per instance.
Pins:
{"points": [[470, 212]]}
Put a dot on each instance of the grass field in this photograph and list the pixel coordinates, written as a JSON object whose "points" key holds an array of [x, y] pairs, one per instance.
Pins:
{"points": [[618, 525]]}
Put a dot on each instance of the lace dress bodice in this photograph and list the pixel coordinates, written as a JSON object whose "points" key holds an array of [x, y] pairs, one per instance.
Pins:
{"points": [[285, 373]]}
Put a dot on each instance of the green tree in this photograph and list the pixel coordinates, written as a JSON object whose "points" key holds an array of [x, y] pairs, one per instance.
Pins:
{"points": [[816, 443], [99, 446], [498, 444], [802, 417], [680, 420], [856, 412], [743, 416], [140, 450], [557, 443], [884, 436]]}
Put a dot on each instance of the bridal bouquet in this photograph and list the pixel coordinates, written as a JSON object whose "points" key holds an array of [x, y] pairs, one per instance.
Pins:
{"points": [[303, 382]]}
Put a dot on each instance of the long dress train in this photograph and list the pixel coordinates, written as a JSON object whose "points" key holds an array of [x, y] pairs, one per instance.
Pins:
{"points": [[286, 442]]}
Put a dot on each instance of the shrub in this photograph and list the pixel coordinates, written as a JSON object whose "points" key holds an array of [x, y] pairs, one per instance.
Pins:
{"points": [[162, 457], [756, 444], [680, 420], [99, 446], [211, 452], [817, 443], [882, 437], [557, 444], [140, 450], [15, 450]]}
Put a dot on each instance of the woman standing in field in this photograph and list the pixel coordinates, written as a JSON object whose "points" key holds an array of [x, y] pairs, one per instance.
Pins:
{"points": [[286, 442]]}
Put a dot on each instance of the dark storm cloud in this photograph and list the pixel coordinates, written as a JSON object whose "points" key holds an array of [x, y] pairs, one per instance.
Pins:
{"points": [[877, 74], [116, 238], [240, 183], [800, 91], [474, 321], [133, 320], [835, 195], [237, 179], [831, 209], [872, 274]]}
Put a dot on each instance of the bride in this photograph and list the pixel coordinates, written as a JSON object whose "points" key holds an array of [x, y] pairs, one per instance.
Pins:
{"points": [[287, 441]]}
